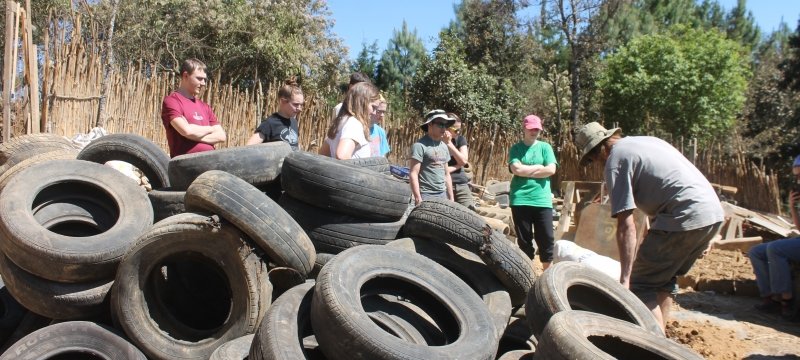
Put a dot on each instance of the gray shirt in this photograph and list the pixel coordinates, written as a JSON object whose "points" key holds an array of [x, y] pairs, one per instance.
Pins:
{"points": [[648, 173], [433, 157]]}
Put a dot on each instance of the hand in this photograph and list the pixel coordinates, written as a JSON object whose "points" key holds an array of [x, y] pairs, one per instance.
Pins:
{"points": [[793, 198], [417, 201], [625, 281], [447, 137]]}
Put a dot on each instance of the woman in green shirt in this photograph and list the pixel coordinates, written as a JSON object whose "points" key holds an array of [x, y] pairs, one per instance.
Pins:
{"points": [[532, 162]]}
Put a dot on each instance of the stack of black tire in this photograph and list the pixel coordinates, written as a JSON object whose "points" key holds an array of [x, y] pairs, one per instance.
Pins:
{"points": [[265, 253]]}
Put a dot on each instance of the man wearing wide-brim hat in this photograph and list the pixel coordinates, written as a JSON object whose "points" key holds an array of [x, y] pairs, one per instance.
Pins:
{"points": [[427, 163], [646, 173]]}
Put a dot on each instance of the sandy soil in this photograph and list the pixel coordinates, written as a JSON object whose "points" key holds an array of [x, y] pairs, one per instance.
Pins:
{"points": [[718, 320]]}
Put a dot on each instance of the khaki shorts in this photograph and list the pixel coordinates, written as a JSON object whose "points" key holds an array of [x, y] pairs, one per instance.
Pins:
{"points": [[665, 255]]}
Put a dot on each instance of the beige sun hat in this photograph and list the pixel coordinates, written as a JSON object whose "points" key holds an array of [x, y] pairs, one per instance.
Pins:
{"points": [[591, 135]]}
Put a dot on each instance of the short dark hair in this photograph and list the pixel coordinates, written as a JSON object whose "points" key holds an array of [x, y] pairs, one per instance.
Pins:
{"points": [[358, 77], [190, 65]]}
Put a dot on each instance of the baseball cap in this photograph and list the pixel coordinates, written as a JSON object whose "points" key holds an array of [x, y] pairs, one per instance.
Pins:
{"points": [[532, 122]]}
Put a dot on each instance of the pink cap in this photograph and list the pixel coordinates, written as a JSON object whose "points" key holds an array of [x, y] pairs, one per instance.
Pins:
{"points": [[532, 122]]}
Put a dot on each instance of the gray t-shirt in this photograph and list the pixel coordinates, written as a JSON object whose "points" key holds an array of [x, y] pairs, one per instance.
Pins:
{"points": [[433, 157], [648, 173]]}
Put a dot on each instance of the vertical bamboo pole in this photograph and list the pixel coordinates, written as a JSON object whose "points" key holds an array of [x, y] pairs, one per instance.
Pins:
{"points": [[33, 69], [10, 66], [45, 73]]}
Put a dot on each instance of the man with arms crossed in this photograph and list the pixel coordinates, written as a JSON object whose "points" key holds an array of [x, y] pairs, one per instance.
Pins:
{"points": [[190, 123]]}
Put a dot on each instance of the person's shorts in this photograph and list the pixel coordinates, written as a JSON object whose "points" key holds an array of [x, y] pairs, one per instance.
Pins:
{"points": [[439, 195], [665, 255]]}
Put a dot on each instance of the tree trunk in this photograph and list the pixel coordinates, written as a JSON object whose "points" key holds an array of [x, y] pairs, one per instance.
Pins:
{"points": [[575, 89], [106, 88]]}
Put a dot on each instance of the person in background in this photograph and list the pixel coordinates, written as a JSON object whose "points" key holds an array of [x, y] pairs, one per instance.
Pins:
{"points": [[190, 123], [378, 143], [459, 157], [647, 173], [771, 263], [282, 124], [348, 133], [532, 162], [428, 175], [355, 78]]}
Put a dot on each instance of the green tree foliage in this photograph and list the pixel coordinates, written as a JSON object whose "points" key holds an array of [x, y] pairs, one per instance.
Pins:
{"points": [[769, 116], [688, 82], [243, 40], [404, 53], [791, 65], [367, 61], [447, 81]]}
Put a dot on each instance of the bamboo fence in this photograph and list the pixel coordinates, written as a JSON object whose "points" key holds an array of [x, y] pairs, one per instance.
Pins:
{"points": [[71, 84]]}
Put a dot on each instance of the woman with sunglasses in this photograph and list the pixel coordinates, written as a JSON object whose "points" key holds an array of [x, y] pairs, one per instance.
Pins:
{"points": [[532, 162], [459, 152]]}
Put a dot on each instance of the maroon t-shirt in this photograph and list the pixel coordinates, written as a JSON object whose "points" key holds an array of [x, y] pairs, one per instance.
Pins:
{"points": [[195, 111]]}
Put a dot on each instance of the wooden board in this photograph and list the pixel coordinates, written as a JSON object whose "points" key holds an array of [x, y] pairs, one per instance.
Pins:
{"points": [[597, 230]]}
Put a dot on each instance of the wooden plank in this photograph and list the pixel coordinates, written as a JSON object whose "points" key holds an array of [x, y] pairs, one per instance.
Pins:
{"points": [[566, 209], [597, 230], [9, 67], [32, 69]]}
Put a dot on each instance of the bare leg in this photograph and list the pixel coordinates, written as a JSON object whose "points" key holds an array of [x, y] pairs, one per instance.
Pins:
{"points": [[660, 307]]}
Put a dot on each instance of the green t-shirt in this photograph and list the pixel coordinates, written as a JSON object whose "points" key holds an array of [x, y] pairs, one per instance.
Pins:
{"points": [[529, 191]]}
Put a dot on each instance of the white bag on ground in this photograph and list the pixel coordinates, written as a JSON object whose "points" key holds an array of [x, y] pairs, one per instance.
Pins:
{"points": [[565, 250]]}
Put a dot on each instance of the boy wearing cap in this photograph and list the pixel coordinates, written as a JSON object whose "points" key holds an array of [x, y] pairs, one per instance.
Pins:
{"points": [[428, 174], [647, 173], [771, 263], [532, 162]]}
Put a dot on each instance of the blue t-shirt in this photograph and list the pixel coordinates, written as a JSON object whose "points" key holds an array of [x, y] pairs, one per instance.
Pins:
{"points": [[378, 143]]}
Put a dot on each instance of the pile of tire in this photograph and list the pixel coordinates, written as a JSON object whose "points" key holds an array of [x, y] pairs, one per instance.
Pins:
{"points": [[259, 252]]}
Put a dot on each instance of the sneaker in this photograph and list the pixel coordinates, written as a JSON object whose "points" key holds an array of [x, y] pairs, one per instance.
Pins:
{"points": [[769, 306]]}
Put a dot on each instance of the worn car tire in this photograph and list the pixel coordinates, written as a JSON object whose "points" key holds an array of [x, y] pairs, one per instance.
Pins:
{"points": [[582, 335], [38, 142], [166, 202], [58, 257], [446, 221], [468, 267], [264, 221], [287, 322], [360, 270], [378, 164], [236, 349], [11, 313], [255, 164], [73, 339], [570, 285], [333, 232], [169, 323], [60, 301], [133, 149], [6, 173], [332, 185]]}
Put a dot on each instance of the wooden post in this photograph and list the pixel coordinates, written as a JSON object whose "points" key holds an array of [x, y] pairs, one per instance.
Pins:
{"points": [[105, 87], [9, 66], [30, 54], [45, 73]]}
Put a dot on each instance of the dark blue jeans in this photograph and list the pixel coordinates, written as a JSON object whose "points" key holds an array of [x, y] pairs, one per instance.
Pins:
{"points": [[771, 265]]}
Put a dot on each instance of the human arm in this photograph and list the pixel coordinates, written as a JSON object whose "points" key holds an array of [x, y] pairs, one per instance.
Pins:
{"points": [[794, 197], [257, 138], [626, 243], [195, 132], [448, 180], [325, 149], [217, 135], [345, 148], [460, 155], [532, 171], [413, 179]]}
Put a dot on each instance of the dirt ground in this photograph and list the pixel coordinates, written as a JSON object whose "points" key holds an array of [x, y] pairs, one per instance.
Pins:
{"points": [[715, 316]]}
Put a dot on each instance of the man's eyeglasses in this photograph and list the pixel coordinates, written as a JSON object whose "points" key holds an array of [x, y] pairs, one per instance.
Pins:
{"points": [[440, 124]]}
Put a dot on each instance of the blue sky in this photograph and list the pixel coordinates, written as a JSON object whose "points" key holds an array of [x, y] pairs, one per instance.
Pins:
{"points": [[360, 21]]}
